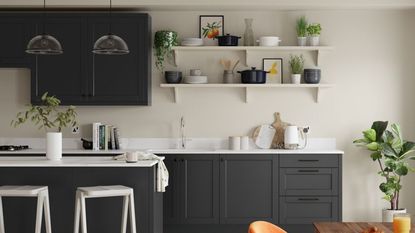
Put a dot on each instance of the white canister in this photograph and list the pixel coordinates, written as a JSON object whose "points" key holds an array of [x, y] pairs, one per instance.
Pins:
{"points": [[244, 143], [269, 41], [131, 157], [234, 143], [54, 146]]}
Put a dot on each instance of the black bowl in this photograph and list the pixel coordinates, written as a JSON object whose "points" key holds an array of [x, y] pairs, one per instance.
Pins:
{"points": [[173, 76], [312, 76]]}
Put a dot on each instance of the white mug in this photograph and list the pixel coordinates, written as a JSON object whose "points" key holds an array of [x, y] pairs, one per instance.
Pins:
{"points": [[195, 72], [131, 157], [234, 143], [269, 41]]}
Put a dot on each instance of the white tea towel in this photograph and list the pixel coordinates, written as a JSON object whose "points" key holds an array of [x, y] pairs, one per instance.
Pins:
{"points": [[162, 172]]}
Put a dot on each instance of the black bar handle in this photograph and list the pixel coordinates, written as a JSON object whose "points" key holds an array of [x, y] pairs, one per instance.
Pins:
{"points": [[308, 160], [308, 199], [308, 170]]}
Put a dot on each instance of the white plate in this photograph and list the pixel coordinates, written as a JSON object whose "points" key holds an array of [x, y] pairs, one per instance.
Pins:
{"points": [[264, 136], [191, 43], [195, 79]]}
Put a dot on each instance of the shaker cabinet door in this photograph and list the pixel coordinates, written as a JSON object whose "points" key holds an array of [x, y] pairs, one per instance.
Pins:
{"points": [[62, 75], [120, 79], [200, 189], [248, 188]]}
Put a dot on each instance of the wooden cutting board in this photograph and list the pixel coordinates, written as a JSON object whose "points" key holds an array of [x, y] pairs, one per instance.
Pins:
{"points": [[279, 125]]}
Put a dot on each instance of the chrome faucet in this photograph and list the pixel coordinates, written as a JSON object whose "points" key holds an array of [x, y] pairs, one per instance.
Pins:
{"points": [[182, 133]]}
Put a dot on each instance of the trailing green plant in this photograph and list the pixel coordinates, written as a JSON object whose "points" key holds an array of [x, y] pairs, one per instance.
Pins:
{"points": [[47, 115], [302, 27], [391, 152], [296, 64], [163, 43], [314, 29]]}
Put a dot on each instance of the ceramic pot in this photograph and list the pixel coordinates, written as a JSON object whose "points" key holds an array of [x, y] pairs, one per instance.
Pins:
{"points": [[54, 146], [228, 40], [312, 76], [387, 214], [295, 78], [253, 76], [314, 40], [302, 41]]}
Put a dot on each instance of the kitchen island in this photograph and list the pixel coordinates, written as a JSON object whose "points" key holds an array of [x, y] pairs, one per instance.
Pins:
{"points": [[63, 177]]}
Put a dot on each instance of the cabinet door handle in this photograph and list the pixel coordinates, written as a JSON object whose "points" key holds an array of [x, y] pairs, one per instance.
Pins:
{"points": [[222, 159], [308, 199], [308, 160], [175, 160], [182, 160], [308, 170]]}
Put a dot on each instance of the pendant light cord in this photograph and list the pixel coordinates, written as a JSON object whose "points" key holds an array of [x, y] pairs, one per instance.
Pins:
{"points": [[43, 17], [110, 31]]}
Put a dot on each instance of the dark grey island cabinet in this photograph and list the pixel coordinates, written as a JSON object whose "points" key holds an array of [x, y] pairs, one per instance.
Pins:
{"points": [[290, 190], [78, 76]]}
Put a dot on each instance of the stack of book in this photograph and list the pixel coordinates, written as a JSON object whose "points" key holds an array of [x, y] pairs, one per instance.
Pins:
{"points": [[105, 137]]}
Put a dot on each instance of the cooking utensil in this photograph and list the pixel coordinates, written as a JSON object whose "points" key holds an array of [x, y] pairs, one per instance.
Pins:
{"points": [[253, 76], [263, 136], [269, 41], [279, 125], [234, 66], [228, 40]]}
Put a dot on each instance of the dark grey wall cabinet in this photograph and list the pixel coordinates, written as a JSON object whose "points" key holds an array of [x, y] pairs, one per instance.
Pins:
{"points": [[16, 32], [79, 77], [289, 190], [247, 187]]}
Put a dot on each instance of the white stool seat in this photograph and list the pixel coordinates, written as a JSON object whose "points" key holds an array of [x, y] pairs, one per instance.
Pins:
{"points": [[83, 193], [106, 191], [17, 191], [42, 194]]}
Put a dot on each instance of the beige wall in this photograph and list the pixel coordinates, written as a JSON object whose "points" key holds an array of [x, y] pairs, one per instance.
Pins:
{"points": [[372, 66]]}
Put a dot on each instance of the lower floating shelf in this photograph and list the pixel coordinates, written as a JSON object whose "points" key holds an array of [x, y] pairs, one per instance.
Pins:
{"points": [[247, 87]]}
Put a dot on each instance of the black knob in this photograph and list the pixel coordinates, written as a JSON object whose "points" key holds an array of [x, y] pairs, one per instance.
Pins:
{"points": [[175, 160], [222, 159], [182, 160], [83, 95]]}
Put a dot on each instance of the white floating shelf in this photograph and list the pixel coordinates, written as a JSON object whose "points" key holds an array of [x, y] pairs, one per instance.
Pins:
{"points": [[247, 87], [250, 49]]}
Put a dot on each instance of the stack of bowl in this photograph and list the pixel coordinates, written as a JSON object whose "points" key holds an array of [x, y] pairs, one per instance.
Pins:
{"points": [[192, 42]]}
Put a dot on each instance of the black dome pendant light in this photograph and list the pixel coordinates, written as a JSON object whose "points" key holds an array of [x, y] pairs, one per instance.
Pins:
{"points": [[44, 44], [110, 44]]}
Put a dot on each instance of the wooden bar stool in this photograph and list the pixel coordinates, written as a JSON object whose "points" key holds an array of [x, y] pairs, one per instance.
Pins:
{"points": [[42, 194], [104, 191]]}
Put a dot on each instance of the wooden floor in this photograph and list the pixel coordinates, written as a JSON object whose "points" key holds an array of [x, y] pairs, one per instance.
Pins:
{"points": [[353, 227]]}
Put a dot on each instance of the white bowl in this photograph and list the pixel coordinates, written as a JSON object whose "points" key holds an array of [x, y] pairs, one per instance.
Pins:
{"points": [[192, 42], [195, 79], [269, 41]]}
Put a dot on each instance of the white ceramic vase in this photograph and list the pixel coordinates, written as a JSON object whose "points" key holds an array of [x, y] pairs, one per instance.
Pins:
{"points": [[295, 78], [314, 40], [387, 214], [302, 41], [54, 146]]}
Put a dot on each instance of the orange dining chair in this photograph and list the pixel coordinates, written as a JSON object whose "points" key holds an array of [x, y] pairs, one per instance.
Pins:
{"points": [[264, 227]]}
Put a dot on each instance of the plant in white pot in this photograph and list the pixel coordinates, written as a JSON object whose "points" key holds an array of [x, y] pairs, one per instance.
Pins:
{"points": [[314, 31], [48, 117], [297, 66], [302, 31], [392, 153]]}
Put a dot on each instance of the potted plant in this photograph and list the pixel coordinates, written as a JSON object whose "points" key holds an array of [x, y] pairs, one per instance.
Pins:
{"points": [[314, 31], [47, 116], [302, 31], [163, 43], [391, 152], [296, 64]]}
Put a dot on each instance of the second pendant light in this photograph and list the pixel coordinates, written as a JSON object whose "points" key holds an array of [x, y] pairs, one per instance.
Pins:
{"points": [[110, 44]]}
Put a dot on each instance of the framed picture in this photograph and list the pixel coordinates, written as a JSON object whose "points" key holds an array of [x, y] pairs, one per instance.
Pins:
{"points": [[274, 67], [211, 26]]}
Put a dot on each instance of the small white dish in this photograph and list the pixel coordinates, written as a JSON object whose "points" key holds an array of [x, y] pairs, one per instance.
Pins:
{"points": [[195, 79]]}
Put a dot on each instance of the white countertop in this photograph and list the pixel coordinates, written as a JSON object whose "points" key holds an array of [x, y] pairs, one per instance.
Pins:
{"points": [[181, 151], [97, 161]]}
